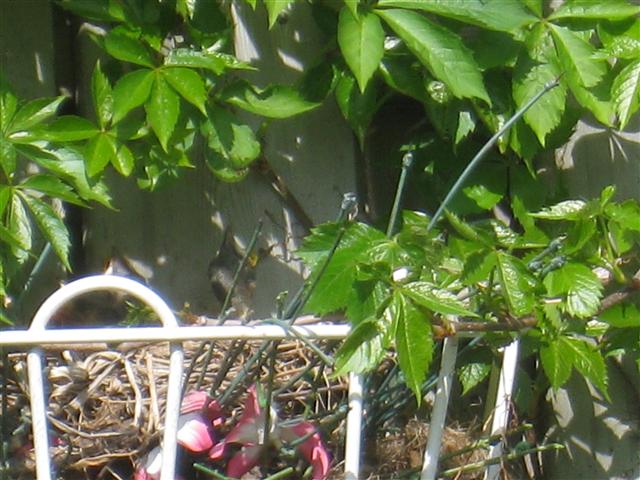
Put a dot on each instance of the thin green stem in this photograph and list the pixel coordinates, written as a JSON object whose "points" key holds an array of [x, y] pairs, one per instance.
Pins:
{"points": [[281, 474], [485, 149], [212, 473], [407, 163]]}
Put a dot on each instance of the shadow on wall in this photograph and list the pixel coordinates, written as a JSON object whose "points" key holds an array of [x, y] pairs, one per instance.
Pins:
{"points": [[602, 439], [597, 156]]}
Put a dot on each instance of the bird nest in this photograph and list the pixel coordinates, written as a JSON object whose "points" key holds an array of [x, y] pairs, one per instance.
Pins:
{"points": [[106, 408]]}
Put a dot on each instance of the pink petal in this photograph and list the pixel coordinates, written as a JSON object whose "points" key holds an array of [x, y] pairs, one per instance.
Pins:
{"points": [[218, 450], [193, 433], [243, 461], [194, 401], [313, 449], [151, 467], [251, 405]]}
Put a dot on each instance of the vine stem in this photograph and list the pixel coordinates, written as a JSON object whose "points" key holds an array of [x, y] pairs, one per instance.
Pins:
{"points": [[485, 149], [407, 163]]}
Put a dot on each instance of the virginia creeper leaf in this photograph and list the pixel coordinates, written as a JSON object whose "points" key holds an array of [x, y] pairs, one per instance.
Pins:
{"points": [[128, 49], [361, 350], [131, 91], [51, 186], [123, 161], [98, 153], [276, 101], [361, 41], [511, 275], [557, 362], [580, 287], [567, 210], [69, 128], [35, 112], [402, 75], [472, 374], [188, 84], [217, 62], [20, 228], [414, 343], [611, 10], [51, 226], [230, 138], [102, 96], [357, 108], [576, 57], [274, 9], [622, 316], [589, 362], [491, 14], [440, 50], [163, 109], [626, 92]]}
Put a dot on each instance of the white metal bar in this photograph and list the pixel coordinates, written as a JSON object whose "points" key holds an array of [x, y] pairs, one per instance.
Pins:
{"points": [[503, 404], [18, 338], [35, 364], [439, 413], [354, 428]]}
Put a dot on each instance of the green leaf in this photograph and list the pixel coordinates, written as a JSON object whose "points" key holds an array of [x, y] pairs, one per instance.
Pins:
{"points": [[361, 351], [69, 128], [20, 229], [479, 266], [557, 362], [163, 109], [621, 47], [357, 108], [414, 342], [131, 91], [576, 57], [491, 14], [580, 287], [589, 362], [8, 157], [515, 288], [611, 10], [102, 96], [123, 161], [217, 62], [128, 49], [69, 164], [436, 299], [567, 210], [276, 101], [223, 169], [51, 226], [403, 74], [466, 125], [622, 316], [189, 85], [334, 288], [98, 153], [35, 112], [529, 79], [274, 9], [472, 374], [352, 5], [51, 186], [230, 138], [8, 105], [461, 227], [361, 40], [440, 50], [482, 196], [626, 92]]}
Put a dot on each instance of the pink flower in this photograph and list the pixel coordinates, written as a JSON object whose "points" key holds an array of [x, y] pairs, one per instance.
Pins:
{"points": [[198, 414], [250, 434]]}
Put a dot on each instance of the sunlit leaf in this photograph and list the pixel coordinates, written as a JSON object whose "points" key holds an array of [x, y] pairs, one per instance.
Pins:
{"points": [[515, 288], [622, 316], [436, 299], [34, 112], [131, 91], [8, 105], [275, 8], [361, 351], [51, 186], [402, 75], [69, 128], [128, 49], [589, 362], [557, 362], [576, 56], [588, 9], [276, 101], [102, 96], [361, 40], [567, 210], [20, 229], [98, 153], [472, 374], [163, 109], [357, 108], [123, 161], [188, 84], [52, 226], [528, 80], [230, 138], [440, 50], [414, 343], [580, 287], [626, 92], [217, 62]]}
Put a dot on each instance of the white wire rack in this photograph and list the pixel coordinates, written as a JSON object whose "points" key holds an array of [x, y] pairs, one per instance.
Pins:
{"points": [[38, 336]]}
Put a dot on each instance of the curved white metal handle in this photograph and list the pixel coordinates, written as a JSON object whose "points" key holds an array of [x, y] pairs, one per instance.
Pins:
{"points": [[35, 366]]}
